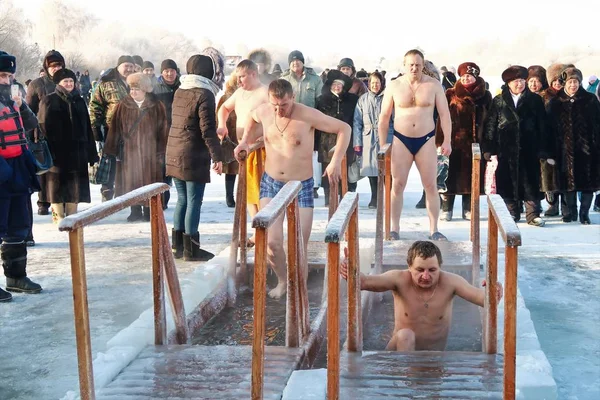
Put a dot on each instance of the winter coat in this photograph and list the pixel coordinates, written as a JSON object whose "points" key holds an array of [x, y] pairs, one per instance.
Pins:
{"points": [[85, 83], [519, 137], [547, 95], [65, 122], [111, 89], [308, 88], [193, 137], [365, 131], [593, 88], [37, 90], [341, 108], [165, 94], [468, 111], [227, 147], [144, 147], [575, 122], [358, 87]]}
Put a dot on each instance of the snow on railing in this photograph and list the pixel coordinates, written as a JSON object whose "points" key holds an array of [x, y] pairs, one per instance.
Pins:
{"points": [[163, 268], [344, 219]]}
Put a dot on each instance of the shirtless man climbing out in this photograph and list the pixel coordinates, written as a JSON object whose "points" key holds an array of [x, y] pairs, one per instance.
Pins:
{"points": [[250, 94], [423, 297], [288, 129], [413, 97]]}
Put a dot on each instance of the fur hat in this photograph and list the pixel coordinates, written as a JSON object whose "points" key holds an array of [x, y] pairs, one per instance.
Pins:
{"points": [[63, 73], [261, 56], [140, 81], [430, 70], [571, 73], [138, 60], [537, 71], [337, 75], [554, 70], [469, 68], [201, 65], [218, 65], [147, 64], [8, 63], [53, 56], [125, 59], [514, 72], [295, 55]]}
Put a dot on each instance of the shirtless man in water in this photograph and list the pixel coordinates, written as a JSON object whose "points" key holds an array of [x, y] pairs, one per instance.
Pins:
{"points": [[250, 94], [423, 297], [413, 97], [289, 129]]}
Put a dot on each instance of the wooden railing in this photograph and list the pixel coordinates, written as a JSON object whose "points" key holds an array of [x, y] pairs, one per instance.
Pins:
{"points": [[334, 195], [475, 213], [346, 217], [499, 220], [163, 268], [384, 186], [297, 313]]}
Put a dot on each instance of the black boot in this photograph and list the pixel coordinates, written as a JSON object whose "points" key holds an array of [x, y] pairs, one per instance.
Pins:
{"points": [[447, 206], [14, 261], [136, 214], [421, 203], [5, 296], [229, 184], [466, 207], [373, 183], [192, 250], [177, 243], [146, 214], [552, 199], [569, 207], [166, 196], [584, 207]]}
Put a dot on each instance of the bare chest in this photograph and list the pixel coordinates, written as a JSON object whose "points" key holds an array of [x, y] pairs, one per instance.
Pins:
{"points": [[411, 96], [287, 134], [428, 310]]}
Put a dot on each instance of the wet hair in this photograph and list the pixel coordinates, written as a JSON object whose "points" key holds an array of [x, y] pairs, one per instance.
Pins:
{"points": [[279, 88], [247, 65], [424, 249], [415, 52]]}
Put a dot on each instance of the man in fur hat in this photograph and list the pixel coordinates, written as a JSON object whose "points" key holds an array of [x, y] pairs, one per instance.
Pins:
{"points": [[346, 66], [111, 89], [262, 59]]}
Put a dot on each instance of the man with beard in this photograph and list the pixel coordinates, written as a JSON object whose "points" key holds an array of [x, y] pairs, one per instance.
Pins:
{"points": [[111, 89], [423, 296]]}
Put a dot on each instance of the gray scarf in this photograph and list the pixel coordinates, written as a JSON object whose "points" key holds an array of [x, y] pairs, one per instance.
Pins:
{"points": [[191, 81]]}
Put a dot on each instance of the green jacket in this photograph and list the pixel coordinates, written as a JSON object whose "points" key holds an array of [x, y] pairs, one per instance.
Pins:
{"points": [[110, 91], [306, 89]]}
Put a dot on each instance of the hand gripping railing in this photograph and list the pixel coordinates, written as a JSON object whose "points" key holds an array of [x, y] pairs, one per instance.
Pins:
{"points": [[163, 267], [499, 219], [297, 313], [346, 217]]}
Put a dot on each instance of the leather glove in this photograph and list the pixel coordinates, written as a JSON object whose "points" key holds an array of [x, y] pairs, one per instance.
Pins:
{"points": [[487, 156]]}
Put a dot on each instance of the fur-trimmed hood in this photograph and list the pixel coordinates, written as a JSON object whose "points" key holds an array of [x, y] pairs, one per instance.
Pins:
{"points": [[261, 56]]}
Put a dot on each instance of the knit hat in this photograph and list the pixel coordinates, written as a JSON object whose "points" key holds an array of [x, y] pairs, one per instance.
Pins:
{"points": [[138, 60], [218, 60], [469, 68], [554, 70], [140, 81], [168, 64], [63, 74], [125, 59], [8, 63], [53, 56], [147, 64], [295, 55], [201, 65], [514, 72], [571, 73], [537, 71]]}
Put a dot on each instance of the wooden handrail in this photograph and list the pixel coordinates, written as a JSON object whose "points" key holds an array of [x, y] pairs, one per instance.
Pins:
{"points": [[475, 212], [345, 217], [334, 195], [297, 305], [384, 185], [163, 268], [500, 220]]}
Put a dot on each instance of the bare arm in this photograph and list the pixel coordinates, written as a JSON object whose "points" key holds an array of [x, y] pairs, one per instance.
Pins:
{"points": [[328, 124], [387, 107], [474, 295], [223, 114], [250, 132], [441, 103], [373, 283]]}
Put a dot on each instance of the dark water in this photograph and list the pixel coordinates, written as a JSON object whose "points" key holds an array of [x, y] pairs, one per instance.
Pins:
{"points": [[233, 326]]}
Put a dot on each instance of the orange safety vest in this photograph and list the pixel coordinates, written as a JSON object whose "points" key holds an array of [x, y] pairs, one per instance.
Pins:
{"points": [[12, 134]]}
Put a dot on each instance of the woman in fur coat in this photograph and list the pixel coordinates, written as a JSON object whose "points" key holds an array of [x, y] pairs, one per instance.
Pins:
{"points": [[65, 122], [516, 131], [575, 120], [137, 137], [230, 169], [469, 103]]}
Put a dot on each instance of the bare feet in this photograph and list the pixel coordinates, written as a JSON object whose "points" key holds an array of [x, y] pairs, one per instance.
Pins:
{"points": [[279, 290]]}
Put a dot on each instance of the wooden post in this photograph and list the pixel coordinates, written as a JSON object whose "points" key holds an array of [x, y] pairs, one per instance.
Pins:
{"points": [[475, 213], [82, 316], [260, 289], [491, 305], [292, 320], [344, 176], [158, 257], [333, 321], [510, 321], [242, 200], [388, 194], [334, 198], [379, 216], [354, 303]]}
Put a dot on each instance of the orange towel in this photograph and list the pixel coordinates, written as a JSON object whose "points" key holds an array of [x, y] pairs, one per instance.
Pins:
{"points": [[253, 177]]}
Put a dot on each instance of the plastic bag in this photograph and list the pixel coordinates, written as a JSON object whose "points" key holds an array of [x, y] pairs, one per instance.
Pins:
{"points": [[490, 175]]}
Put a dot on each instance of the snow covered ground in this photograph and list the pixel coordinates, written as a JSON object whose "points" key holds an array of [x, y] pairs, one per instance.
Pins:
{"points": [[559, 279]]}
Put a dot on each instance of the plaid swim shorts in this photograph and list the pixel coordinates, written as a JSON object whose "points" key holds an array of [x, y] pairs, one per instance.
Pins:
{"points": [[269, 187]]}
